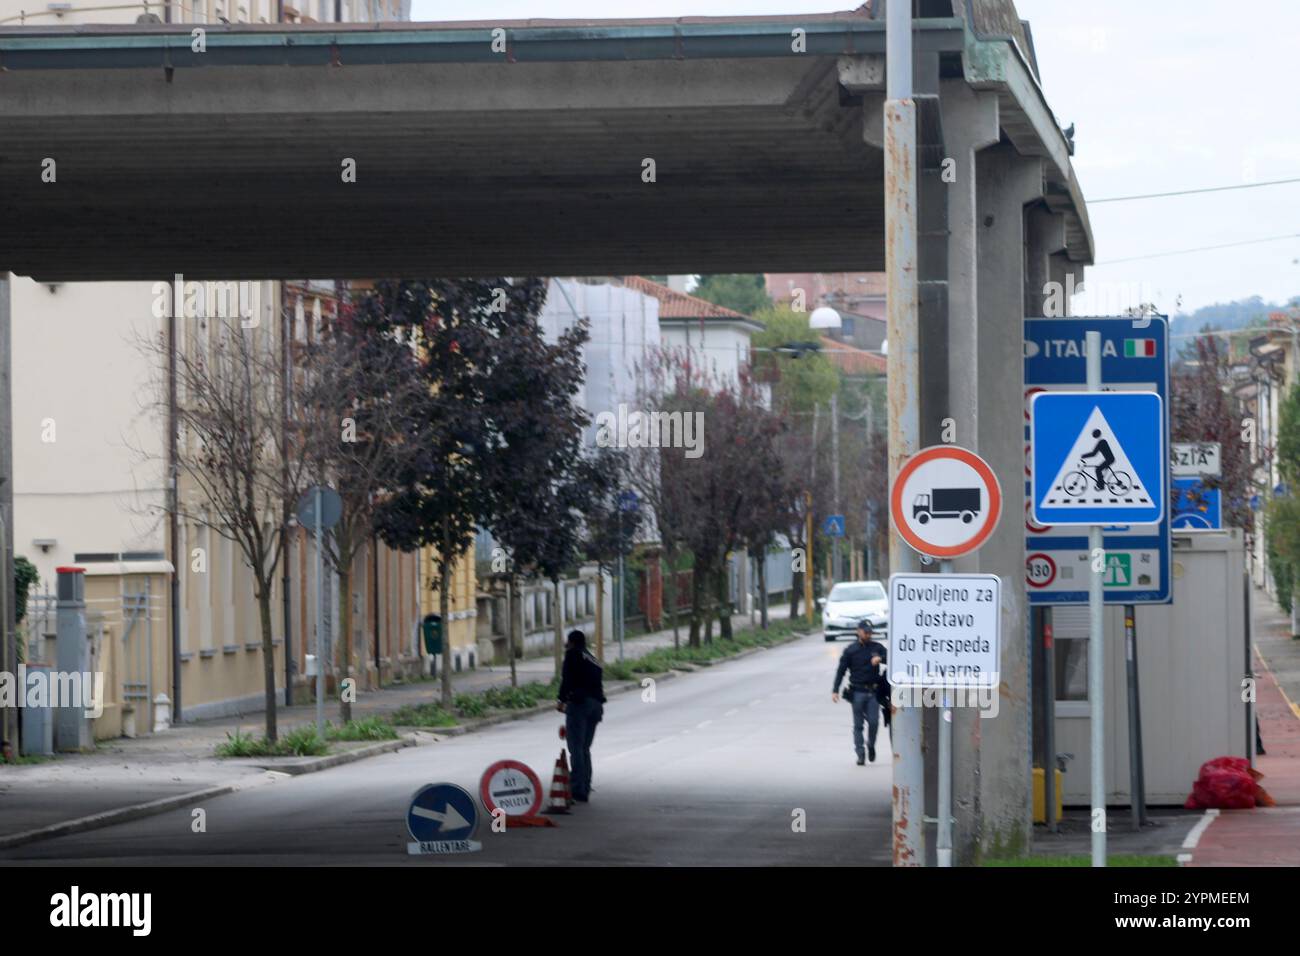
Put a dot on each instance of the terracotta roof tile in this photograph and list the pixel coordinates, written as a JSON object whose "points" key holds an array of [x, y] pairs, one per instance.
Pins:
{"points": [[679, 305]]}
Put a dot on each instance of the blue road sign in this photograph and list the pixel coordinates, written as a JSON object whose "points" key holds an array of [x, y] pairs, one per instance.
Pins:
{"points": [[1135, 357], [833, 526], [1195, 507], [1098, 458], [441, 819]]}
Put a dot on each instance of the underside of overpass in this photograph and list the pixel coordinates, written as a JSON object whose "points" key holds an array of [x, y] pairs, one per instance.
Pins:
{"points": [[521, 148], [523, 156]]}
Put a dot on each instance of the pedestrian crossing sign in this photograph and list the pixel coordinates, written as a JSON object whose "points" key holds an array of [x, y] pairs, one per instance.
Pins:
{"points": [[1098, 458]]}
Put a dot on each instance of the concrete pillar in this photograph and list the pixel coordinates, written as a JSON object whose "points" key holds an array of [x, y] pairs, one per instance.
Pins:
{"points": [[992, 770], [970, 124], [1044, 240], [1048, 284], [71, 727]]}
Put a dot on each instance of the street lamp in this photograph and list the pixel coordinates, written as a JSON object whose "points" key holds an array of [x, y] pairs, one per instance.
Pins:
{"points": [[824, 318]]}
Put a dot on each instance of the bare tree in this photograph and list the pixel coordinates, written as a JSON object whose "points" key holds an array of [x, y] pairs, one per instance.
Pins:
{"points": [[231, 427], [359, 386]]}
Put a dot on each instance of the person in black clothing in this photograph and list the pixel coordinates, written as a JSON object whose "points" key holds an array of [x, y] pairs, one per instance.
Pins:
{"points": [[581, 700], [862, 660]]}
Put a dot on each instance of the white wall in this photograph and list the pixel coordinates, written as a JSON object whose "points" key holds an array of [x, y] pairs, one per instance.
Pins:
{"points": [[624, 328], [79, 378]]}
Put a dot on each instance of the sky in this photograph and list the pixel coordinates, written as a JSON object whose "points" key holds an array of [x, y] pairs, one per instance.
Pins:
{"points": [[1163, 95]]}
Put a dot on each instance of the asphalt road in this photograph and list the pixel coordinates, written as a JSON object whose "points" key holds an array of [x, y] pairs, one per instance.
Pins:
{"points": [[711, 772]]}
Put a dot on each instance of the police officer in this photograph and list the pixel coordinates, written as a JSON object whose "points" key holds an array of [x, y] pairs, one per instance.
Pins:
{"points": [[862, 659], [581, 700]]}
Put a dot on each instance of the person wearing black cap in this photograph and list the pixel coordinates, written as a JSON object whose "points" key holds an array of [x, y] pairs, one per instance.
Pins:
{"points": [[862, 660], [581, 700]]}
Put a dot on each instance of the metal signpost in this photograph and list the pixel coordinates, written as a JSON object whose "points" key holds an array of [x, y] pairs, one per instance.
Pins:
{"points": [[442, 819], [319, 510], [1098, 459], [945, 502]]}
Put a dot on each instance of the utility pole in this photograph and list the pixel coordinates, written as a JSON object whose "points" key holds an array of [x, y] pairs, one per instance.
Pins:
{"points": [[836, 571], [904, 382], [8, 626]]}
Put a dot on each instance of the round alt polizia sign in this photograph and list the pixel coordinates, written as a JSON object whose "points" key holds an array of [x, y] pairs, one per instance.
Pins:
{"points": [[946, 501], [512, 787]]}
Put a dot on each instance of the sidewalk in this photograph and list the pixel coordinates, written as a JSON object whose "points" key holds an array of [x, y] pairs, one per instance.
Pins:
{"points": [[1266, 836], [180, 764]]}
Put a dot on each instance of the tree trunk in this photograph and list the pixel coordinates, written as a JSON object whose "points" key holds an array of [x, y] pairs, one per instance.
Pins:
{"points": [[724, 599], [708, 599], [510, 629], [268, 656], [558, 620], [600, 614], [672, 601], [672, 604], [345, 597], [444, 611], [762, 590], [697, 604]]}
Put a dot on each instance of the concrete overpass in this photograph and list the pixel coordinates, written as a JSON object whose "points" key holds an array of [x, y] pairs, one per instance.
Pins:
{"points": [[227, 163], [527, 156]]}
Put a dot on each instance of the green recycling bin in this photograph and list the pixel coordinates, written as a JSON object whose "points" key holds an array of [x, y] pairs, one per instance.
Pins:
{"points": [[431, 625]]}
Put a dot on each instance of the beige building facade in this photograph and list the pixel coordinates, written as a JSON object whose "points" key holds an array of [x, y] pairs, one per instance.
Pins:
{"points": [[90, 473]]}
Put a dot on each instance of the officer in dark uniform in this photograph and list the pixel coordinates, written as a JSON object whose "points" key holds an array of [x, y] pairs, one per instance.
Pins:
{"points": [[862, 659], [581, 700]]}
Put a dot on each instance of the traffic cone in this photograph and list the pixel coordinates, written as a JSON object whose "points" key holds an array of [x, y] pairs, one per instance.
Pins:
{"points": [[561, 798]]}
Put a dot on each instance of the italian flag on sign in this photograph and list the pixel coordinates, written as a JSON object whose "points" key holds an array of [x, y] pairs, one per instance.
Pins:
{"points": [[1139, 348]]}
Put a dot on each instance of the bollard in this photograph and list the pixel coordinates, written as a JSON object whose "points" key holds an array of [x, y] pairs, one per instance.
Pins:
{"points": [[162, 713]]}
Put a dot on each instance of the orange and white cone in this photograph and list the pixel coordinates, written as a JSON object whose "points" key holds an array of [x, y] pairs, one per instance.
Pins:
{"points": [[561, 798]]}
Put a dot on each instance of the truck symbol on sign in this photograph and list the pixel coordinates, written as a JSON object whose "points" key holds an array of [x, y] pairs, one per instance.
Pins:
{"points": [[963, 503]]}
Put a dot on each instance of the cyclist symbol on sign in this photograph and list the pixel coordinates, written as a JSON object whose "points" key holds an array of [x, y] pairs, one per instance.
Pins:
{"points": [[1107, 478], [1102, 448]]}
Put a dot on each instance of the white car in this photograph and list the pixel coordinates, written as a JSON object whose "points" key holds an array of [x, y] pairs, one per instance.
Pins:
{"points": [[850, 602]]}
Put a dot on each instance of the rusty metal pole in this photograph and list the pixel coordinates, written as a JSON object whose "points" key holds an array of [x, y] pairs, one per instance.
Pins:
{"points": [[904, 386]]}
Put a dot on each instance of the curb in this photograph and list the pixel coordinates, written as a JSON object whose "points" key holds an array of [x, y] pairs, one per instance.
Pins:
{"points": [[621, 687], [470, 726], [107, 818], [316, 764]]}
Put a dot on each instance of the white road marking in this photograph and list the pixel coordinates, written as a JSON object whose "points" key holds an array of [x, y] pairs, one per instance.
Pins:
{"points": [[734, 710], [1194, 836], [702, 724], [755, 703]]}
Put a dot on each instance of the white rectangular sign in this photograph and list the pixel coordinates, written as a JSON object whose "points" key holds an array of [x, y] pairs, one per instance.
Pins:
{"points": [[1194, 459], [944, 630]]}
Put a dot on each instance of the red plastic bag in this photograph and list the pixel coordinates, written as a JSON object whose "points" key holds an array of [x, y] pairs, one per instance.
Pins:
{"points": [[1227, 783]]}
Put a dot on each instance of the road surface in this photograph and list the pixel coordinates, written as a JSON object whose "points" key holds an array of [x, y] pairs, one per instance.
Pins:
{"points": [[711, 772]]}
